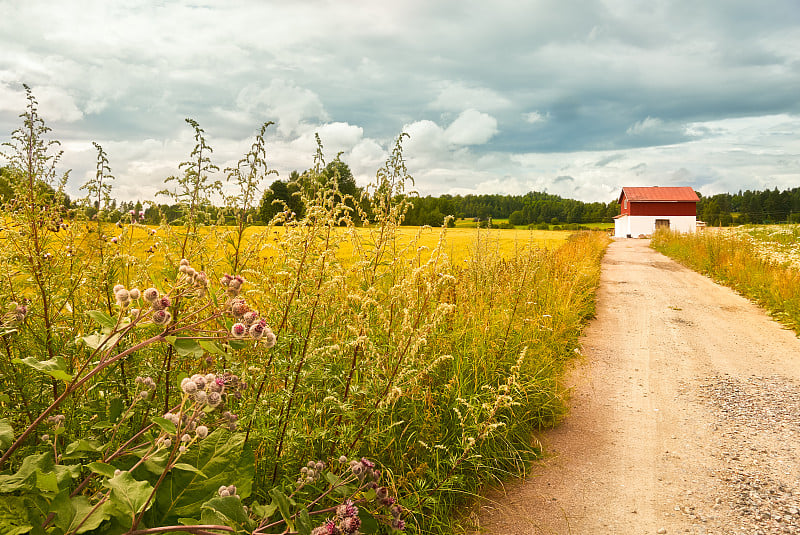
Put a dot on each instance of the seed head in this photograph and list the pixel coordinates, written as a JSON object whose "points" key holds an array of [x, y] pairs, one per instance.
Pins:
{"points": [[135, 293], [257, 329], [161, 317], [118, 287], [150, 295], [188, 386], [214, 399], [201, 397], [249, 318], [201, 431]]}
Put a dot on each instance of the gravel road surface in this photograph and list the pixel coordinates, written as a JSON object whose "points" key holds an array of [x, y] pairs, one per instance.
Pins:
{"points": [[685, 416]]}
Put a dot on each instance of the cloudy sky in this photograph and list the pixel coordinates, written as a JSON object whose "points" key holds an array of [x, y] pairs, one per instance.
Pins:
{"points": [[572, 97]]}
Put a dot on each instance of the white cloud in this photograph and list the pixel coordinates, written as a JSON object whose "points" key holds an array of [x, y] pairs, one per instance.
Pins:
{"points": [[284, 102], [455, 96], [536, 117], [471, 128]]}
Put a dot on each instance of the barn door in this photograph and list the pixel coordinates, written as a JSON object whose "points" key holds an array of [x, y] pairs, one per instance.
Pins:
{"points": [[662, 223]]}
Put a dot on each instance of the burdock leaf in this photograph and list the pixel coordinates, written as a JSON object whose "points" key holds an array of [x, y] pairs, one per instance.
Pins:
{"points": [[102, 319], [56, 367], [165, 425], [228, 511], [6, 434], [188, 347], [128, 495]]}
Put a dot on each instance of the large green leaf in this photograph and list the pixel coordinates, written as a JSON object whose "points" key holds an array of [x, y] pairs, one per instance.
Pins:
{"points": [[86, 516], [81, 448], [227, 511], [102, 319], [33, 468], [222, 458], [6, 434], [55, 367], [128, 496], [165, 425], [186, 347], [14, 518], [212, 346], [64, 510]]}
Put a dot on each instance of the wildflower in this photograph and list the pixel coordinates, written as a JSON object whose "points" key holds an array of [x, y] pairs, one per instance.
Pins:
{"points": [[199, 380], [174, 418], [201, 432], [161, 317], [238, 330], [150, 295], [188, 386], [201, 397], [182, 449], [214, 399], [123, 297], [328, 528], [161, 303], [250, 318], [117, 287], [134, 293], [350, 525], [238, 308], [114, 239], [257, 329], [186, 438], [347, 510], [342, 459]]}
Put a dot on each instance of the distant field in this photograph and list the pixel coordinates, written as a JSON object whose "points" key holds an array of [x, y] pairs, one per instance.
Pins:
{"points": [[459, 243]]}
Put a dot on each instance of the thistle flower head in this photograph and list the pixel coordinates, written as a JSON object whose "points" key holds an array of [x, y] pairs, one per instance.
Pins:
{"points": [[258, 329], [214, 399], [250, 318], [201, 431], [134, 293], [150, 295], [238, 330], [188, 386], [350, 525], [199, 380], [347, 510], [161, 317]]}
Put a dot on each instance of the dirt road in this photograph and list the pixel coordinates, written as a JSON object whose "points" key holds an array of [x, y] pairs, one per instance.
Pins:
{"points": [[685, 416]]}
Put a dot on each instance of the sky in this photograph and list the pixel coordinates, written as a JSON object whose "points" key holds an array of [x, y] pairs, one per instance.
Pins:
{"points": [[576, 98]]}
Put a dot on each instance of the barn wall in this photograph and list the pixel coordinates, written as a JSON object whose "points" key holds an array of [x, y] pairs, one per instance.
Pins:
{"points": [[633, 226], [663, 208]]}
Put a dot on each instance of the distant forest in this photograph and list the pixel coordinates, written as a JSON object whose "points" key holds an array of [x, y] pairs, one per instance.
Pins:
{"points": [[531, 209]]}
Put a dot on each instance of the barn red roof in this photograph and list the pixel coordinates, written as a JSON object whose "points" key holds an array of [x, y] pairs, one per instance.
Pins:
{"points": [[659, 194]]}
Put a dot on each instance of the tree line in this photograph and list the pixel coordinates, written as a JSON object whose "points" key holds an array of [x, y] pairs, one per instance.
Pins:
{"points": [[758, 207], [723, 209]]}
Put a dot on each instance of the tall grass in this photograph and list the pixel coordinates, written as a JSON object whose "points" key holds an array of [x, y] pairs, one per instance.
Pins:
{"points": [[743, 263], [387, 349]]}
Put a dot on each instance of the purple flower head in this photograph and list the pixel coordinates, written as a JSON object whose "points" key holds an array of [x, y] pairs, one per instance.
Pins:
{"points": [[347, 510], [350, 525], [238, 330], [257, 329]]}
